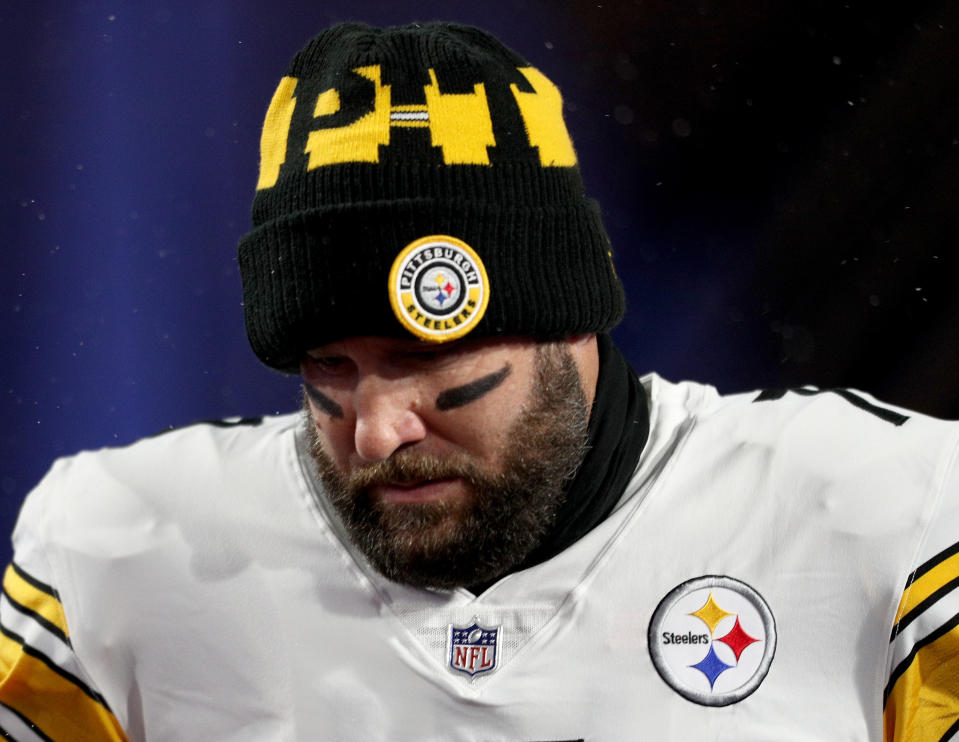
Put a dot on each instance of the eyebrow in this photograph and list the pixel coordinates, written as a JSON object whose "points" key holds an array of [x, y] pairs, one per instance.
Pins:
{"points": [[463, 395], [325, 404]]}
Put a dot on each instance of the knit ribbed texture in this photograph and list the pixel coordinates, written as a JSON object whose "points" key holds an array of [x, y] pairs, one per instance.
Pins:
{"points": [[316, 264]]}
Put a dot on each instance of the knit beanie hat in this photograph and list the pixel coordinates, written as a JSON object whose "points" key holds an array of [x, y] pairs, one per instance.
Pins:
{"points": [[419, 181]]}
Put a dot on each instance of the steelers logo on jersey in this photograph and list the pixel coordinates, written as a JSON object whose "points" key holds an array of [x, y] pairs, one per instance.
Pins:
{"points": [[712, 639], [438, 288]]}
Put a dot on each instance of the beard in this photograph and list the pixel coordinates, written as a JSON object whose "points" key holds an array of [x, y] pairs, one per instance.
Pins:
{"points": [[502, 516]]}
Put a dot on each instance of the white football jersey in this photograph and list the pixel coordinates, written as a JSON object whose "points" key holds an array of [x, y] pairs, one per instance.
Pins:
{"points": [[782, 566]]}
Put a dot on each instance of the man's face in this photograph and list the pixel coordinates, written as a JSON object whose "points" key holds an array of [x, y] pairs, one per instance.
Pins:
{"points": [[447, 462]]}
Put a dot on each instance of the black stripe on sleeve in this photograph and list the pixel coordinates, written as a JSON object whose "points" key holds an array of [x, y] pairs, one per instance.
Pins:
{"points": [[920, 607], [932, 563], [925, 641], [45, 623], [33, 727], [37, 654], [883, 413], [950, 732], [41, 586], [6, 735], [244, 421]]}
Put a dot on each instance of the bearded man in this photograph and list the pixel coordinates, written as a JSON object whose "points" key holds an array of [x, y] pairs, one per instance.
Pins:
{"points": [[483, 525]]}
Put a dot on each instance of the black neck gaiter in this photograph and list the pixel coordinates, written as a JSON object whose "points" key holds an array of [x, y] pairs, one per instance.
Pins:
{"points": [[618, 429]]}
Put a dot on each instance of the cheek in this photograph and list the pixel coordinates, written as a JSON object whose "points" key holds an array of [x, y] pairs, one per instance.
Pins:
{"points": [[334, 435], [487, 425], [482, 434]]}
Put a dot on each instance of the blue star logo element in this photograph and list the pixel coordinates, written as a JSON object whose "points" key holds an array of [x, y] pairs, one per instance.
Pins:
{"points": [[711, 666], [440, 296]]}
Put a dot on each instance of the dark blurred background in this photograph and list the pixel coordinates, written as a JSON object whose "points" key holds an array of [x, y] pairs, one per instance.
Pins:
{"points": [[779, 180]]}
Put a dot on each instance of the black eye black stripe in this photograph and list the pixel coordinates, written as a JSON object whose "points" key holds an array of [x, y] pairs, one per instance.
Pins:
{"points": [[325, 404], [463, 395], [447, 400]]}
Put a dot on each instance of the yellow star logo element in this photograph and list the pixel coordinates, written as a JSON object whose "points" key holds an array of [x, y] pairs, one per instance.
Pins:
{"points": [[711, 614]]}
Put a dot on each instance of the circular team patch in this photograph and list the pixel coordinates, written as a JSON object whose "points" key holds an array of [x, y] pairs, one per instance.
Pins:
{"points": [[438, 288], [712, 639]]}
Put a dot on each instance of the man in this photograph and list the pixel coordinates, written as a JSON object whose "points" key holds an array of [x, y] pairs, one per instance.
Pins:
{"points": [[484, 526]]}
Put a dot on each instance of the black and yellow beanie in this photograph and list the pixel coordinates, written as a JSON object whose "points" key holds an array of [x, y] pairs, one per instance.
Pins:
{"points": [[419, 181]]}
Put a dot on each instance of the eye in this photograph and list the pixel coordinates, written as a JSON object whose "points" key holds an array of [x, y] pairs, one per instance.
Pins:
{"points": [[327, 364]]}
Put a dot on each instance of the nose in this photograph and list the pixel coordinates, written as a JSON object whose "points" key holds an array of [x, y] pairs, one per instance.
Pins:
{"points": [[387, 418]]}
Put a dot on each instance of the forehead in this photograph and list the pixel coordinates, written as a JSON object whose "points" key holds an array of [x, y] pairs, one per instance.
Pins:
{"points": [[386, 346]]}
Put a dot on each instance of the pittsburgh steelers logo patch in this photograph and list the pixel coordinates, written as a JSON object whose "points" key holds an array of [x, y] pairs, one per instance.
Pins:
{"points": [[438, 288], [712, 639]]}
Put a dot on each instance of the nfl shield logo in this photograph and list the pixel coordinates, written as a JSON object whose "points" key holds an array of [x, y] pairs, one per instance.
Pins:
{"points": [[473, 649]]}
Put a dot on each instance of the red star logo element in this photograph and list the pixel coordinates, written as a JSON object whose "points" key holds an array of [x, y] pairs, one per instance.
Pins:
{"points": [[737, 639]]}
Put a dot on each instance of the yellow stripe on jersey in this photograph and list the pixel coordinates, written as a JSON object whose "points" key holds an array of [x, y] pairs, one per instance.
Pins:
{"points": [[57, 706], [35, 596], [922, 705], [926, 584]]}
